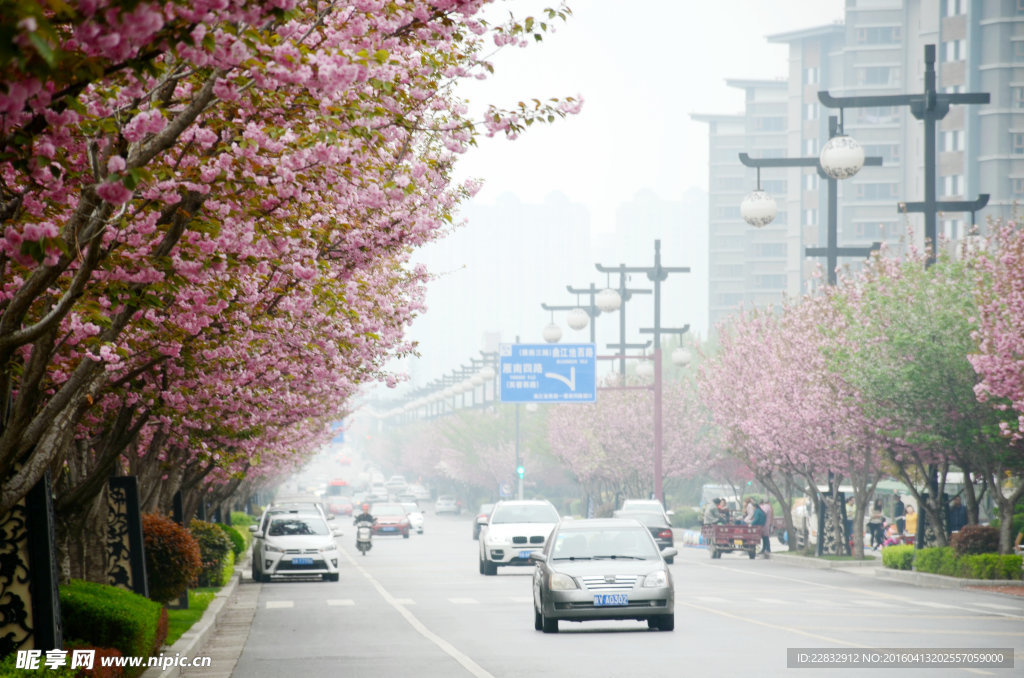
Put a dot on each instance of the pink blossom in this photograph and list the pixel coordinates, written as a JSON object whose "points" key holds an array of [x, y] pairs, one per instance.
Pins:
{"points": [[114, 192]]}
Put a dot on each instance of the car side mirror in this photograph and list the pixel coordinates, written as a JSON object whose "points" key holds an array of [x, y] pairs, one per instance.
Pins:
{"points": [[481, 520], [330, 516], [336, 532], [253, 528], [669, 552], [670, 512], [538, 557]]}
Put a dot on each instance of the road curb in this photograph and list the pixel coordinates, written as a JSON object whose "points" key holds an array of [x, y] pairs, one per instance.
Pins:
{"points": [[824, 564], [941, 581], [193, 640]]}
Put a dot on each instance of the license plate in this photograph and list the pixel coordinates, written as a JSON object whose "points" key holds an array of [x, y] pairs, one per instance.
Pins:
{"points": [[737, 542], [302, 561], [387, 529], [610, 599], [525, 554]]}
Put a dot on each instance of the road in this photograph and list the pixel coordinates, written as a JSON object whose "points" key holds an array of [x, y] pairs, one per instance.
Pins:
{"points": [[419, 607]]}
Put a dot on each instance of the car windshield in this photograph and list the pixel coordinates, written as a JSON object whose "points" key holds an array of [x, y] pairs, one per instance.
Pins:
{"points": [[540, 513], [387, 510], [630, 543], [294, 526]]}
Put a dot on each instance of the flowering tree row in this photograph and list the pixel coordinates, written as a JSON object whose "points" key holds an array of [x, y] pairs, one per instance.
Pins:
{"points": [[207, 212], [876, 376]]}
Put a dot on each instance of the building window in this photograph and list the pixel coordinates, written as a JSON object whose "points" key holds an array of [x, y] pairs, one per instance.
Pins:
{"points": [[774, 186], [889, 153], [953, 89], [953, 184], [773, 250], [811, 75], [1018, 144], [769, 282], [728, 212], [879, 35], [954, 50], [878, 75], [1018, 186], [769, 124], [811, 111], [954, 7], [810, 217], [876, 191], [730, 300], [873, 231], [880, 115], [730, 271], [810, 182], [953, 140], [1018, 96], [810, 147], [1018, 48]]}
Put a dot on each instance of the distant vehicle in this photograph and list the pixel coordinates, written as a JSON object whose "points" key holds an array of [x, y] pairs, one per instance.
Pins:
{"points": [[659, 527], [602, 568], [515, 530], [645, 506], [447, 503], [391, 519], [483, 514], [295, 545], [396, 484], [378, 492], [412, 509], [421, 493], [338, 498]]}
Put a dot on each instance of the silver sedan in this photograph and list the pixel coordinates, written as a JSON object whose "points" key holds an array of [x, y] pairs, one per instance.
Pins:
{"points": [[602, 569]]}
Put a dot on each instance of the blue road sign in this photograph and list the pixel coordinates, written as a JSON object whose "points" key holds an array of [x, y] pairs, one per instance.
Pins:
{"points": [[548, 373]]}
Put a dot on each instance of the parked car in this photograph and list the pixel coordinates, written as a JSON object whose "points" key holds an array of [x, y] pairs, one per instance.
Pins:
{"points": [[658, 526], [412, 509], [483, 514], [391, 519], [295, 545], [645, 506], [447, 503], [514, 531], [602, 568]]}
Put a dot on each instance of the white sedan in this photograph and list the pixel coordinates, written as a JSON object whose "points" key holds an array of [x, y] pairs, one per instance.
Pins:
{"points": [[415, 515], [515, 530]]}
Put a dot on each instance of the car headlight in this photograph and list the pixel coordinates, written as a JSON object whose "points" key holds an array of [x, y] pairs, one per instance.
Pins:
{"points": [[331, 547], [270, 548], [497, 541], [561, 582], [657, 579]]}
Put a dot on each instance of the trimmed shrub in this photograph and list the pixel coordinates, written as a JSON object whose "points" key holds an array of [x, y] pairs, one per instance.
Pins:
{"points": [[990, 566], [975, 539], [685, 517], [173, 559], [238, 541], [242, 519], [214, 547], [936, 560], [98, 670], [107, 616], [898, 557]]}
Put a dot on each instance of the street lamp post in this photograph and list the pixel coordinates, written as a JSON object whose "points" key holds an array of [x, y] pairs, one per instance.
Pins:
{"points": [[831, 251], [610, 300], [929, 107], [656, 274]]}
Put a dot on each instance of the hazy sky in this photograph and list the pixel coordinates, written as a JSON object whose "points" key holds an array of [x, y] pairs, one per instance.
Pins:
{"points": [[642, 68]]}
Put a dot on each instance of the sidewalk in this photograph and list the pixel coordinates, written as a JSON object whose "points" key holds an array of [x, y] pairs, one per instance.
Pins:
{"points": [[221, 632]]}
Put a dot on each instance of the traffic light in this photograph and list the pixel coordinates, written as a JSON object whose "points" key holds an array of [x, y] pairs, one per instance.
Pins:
{"points": [[521, 470]]}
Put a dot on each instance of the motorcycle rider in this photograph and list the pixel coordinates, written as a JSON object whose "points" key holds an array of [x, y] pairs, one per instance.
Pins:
{"points": [[365, 515]]}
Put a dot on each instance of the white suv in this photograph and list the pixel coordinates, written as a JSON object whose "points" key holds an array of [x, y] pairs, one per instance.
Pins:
{"points": [[514, 531]]}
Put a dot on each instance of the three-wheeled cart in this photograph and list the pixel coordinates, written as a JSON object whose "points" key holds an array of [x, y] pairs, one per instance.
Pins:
{"points": [[725, 538]]}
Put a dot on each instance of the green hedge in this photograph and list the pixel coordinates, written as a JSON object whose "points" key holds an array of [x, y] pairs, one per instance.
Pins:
{"points": [[239, 541], [107, 616], [243, 519], [899, 557], [685, 517], [215, 547], [980, 566]]}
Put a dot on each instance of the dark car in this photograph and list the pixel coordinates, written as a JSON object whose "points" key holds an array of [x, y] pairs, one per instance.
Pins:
{"points": [[483, 514], [660, 529], [599, 569]]}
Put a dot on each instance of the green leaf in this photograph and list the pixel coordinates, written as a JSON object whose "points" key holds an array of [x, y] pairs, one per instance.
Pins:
{"points": [[43, 48]]}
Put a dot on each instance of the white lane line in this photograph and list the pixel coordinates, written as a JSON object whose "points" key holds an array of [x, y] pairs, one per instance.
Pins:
{"points": [[773, 601], [521, 599], [871, 602], [340, 602], [405, 601], [464, 601], [996, 606], [467, 663], [941, 606], [271, 604]]}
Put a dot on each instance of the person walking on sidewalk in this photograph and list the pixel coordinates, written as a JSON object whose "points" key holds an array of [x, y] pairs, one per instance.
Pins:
{"points": [[769, 525], [758, 519]]}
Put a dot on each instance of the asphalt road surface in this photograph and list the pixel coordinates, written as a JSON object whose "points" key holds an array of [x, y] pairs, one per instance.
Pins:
{"points": [[419, 607]]}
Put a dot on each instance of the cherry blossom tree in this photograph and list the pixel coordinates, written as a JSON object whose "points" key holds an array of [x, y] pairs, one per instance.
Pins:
{"points": [[208, 209]]}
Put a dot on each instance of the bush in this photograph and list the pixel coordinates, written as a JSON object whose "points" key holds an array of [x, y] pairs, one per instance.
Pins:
{"points": [[936, 560], [898, 557], [98, 670], [107, 616], [990, 566], [686, 518], [975, 539], [173, 559], [214, 547], [238, 541], [242, 519], [8, 670]]}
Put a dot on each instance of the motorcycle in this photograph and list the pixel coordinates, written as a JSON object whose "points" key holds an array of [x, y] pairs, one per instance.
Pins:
{"points": [[364, 536]]}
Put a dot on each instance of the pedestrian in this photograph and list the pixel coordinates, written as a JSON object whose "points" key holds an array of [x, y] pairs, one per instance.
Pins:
{"points": [[898, 512], [758, 519], [769, 527], [911, 520], [957, 515], [876, 523], [748, 511]]}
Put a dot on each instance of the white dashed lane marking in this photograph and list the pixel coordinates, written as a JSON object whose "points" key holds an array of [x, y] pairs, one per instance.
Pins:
{"points": [[272, 604]]}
